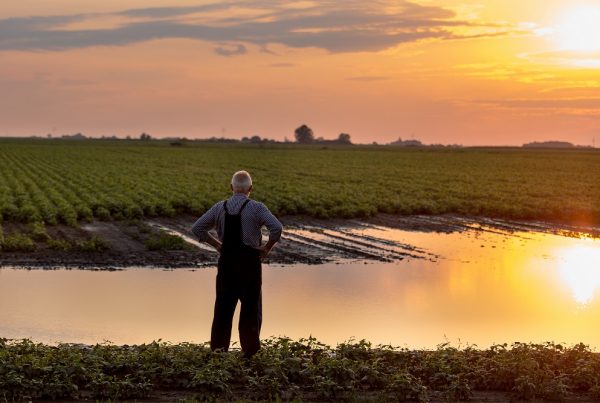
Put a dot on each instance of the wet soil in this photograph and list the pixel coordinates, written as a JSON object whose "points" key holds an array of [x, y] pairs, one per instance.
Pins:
{"points": [[306, 240]]}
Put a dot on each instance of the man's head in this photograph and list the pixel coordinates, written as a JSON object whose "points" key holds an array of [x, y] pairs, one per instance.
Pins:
{"points": [[241, 182]]}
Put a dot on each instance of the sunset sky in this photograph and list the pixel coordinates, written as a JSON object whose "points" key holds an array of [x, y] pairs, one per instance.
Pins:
{"points": [[498, 72]]}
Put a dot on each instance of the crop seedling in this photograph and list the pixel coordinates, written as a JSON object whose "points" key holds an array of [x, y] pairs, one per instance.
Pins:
{"points": [[17, 242], [166, 241]]}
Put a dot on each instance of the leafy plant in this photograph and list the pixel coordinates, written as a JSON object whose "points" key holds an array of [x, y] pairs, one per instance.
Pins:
{"points": [[94, 244], [286, 369], [59, 244], [38, 231], [166, 241], [18, 242]]}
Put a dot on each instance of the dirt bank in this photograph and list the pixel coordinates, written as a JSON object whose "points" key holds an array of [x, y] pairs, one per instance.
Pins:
{"points": [[306, 240]]}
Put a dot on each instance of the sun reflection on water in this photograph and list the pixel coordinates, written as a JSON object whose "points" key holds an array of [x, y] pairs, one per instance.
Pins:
{"points": [[484, 287], [579, 269]]}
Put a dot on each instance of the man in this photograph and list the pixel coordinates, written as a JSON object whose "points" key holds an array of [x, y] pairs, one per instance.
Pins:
{"points": [[238, 221]]}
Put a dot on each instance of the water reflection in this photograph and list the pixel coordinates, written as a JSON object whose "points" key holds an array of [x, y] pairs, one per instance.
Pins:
{"points": [[485, 288], [579, 268]]}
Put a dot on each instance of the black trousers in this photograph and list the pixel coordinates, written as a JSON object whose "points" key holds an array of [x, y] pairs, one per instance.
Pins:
{"points": [[239, 277]]}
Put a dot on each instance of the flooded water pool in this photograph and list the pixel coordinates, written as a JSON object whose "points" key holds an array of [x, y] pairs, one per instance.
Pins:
{"points": [[473, 287]]}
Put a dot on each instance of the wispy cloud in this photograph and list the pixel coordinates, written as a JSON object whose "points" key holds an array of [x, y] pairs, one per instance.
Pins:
{"points": [[282, 65], [163, 12], [368, 78], [587, 59], [356, 27], [230, 50], [588, 108], [558, 103]]}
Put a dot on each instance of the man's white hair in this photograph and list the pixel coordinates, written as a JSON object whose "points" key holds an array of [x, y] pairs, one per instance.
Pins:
{"points": [[241, 181]]}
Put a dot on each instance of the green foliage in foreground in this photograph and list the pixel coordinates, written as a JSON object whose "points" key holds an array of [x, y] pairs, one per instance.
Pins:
{"points": [[55, 181], [287, 369]]}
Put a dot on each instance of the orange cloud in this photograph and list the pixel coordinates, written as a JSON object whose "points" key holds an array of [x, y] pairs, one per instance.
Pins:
{"points": [[357, 27]]}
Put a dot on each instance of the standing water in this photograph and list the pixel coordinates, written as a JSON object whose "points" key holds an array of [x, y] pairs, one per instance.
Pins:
{"points": [[474, 287]]}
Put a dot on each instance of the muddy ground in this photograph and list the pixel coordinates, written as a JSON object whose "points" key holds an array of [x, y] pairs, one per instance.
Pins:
{"points": [[306, 240]]}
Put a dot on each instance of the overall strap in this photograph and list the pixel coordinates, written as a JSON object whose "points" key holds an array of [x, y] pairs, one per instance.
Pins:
{"points": [[241, 208], [244, 205], [225, 207]]}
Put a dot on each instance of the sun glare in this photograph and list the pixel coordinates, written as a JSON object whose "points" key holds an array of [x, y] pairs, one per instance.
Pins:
{"points": [[579, 29], [580, 270]]}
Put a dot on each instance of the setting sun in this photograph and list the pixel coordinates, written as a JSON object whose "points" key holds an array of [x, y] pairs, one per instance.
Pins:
{"points": [[579, 29], [493, 72]]}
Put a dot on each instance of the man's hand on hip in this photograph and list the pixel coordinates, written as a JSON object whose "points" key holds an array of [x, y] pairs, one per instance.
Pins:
{"points": [[266, 249], [264, 252], [214, 242]]}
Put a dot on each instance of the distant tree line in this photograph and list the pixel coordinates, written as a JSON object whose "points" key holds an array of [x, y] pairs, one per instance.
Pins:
{"points": [[302, 135], [552, 144], [305, 135]]}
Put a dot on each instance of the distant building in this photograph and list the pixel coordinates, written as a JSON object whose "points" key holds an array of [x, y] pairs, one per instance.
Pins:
{"points": [[77, 136], [406, 143]]}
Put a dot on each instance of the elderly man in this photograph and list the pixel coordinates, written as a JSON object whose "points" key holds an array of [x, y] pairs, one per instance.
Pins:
{"points": [[238, 221]]}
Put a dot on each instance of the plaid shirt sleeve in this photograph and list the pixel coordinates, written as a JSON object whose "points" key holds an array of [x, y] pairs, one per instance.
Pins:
{"points": [[206, 222], [270, 221]]}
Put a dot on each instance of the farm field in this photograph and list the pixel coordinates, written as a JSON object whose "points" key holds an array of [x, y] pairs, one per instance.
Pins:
{"points": [[433, 168], [68, 197], [107, 204], [76, 181]]}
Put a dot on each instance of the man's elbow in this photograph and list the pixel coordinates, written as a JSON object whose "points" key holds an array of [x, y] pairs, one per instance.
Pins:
{"points": [[202, 235], [275, 233]]}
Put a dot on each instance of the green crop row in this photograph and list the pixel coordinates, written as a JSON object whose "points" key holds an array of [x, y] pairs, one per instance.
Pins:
{"points": [[15, 242], [287, 369], [70, 182], [94, 244]]}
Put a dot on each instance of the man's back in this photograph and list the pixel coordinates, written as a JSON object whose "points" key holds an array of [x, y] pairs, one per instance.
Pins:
{"points": [[238, 221], [253, 217]]}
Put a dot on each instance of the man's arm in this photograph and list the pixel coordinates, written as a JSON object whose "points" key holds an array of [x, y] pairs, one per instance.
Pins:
{"points": [[266, 248], [273, 225], [205, 224], [214, 242]]}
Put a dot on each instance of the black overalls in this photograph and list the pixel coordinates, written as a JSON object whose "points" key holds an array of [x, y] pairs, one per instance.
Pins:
{"points": [[239, 277]]}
